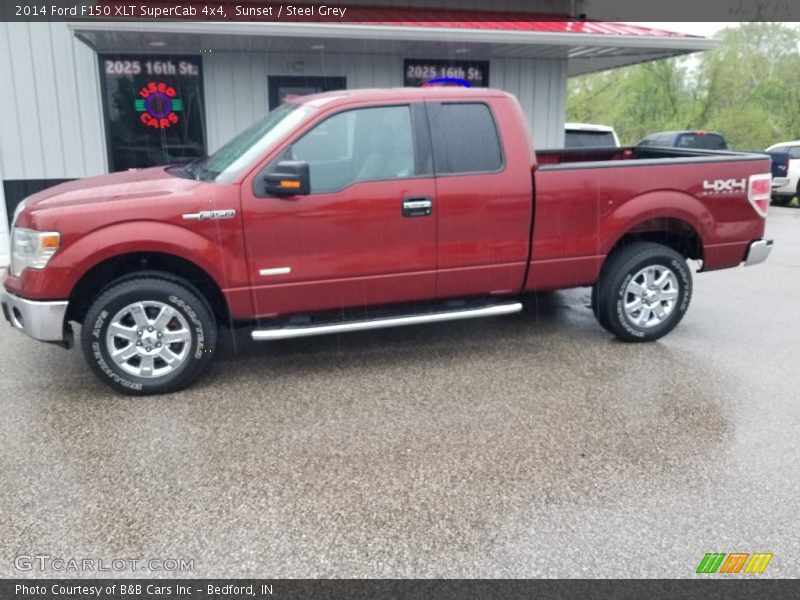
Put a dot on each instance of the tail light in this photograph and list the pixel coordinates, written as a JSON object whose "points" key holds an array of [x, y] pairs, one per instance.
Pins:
{"points": [[759, 192]]}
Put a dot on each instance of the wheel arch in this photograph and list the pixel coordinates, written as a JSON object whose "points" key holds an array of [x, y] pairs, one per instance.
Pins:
{"points": [[672, 231], [122, 267]]}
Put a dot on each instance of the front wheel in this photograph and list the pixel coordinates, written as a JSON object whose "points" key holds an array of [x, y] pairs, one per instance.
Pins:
{"points": [[148, 336], [781, 200], [643, 292]]}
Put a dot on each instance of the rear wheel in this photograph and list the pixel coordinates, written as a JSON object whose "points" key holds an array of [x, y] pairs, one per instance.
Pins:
{"points": [[781, 200], [148, 336], [643, 292]]}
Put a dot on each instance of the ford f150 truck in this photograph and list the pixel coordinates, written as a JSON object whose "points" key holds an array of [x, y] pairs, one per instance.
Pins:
{"points": [[355, 210]]}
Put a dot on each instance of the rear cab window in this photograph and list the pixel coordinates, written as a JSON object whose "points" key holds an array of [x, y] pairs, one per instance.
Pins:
{"points": [[465, 138], [575, 138], [703, 141]]}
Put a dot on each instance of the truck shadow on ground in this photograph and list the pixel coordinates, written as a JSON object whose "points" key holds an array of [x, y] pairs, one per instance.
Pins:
{"points": [[541, 312]]}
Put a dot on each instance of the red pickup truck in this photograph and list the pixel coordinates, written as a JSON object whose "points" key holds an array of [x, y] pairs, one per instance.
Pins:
{"points": [[355, 210]]}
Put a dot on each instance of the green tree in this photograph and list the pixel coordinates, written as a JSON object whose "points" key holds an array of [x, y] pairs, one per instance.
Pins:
{"points": [[748, 89]]}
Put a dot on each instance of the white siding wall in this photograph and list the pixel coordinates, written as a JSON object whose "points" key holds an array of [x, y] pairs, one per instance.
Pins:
{"points": [[50, 94], [50, 99], [237, 89]]}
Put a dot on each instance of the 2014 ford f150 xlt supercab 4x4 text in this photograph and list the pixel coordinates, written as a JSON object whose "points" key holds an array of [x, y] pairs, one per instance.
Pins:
{"points": [[362, 209]]}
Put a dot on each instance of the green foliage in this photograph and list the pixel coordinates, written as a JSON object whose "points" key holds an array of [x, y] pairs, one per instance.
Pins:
{"points": [[748, 89]]}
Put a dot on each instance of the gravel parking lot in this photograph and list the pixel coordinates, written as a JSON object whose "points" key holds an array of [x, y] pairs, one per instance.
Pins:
{"points": [[524, 446]]}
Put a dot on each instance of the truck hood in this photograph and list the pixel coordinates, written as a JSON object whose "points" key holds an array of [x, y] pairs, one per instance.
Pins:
{"points": [[150, 183]]}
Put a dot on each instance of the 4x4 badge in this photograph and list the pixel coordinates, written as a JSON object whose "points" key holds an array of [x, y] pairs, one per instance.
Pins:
{"points": [[724, 185]]}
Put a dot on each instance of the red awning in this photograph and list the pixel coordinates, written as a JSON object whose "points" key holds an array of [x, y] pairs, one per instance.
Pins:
{"points": [[299, 12]]}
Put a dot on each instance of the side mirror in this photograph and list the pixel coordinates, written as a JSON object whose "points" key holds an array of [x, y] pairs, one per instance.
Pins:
{"points": [[289, 178]]}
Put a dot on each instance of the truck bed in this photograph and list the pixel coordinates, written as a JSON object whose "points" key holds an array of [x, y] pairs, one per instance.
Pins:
{"points": [[587, 197], [587, 157]]}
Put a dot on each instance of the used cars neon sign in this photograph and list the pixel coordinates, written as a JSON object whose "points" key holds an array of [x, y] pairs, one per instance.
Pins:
{"points": [[158, 105], [447, 82]]}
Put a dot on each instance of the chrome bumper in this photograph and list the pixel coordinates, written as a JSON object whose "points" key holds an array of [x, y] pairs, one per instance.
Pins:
{"points": [[779, 182], [41, 320], [758, 252]]}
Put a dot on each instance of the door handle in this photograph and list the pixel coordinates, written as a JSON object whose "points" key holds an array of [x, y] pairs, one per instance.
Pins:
{"points": [[417, 207]]}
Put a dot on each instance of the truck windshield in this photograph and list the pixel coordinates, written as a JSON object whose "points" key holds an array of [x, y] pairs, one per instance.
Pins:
{"points": [[704, 141], [229, 161]]}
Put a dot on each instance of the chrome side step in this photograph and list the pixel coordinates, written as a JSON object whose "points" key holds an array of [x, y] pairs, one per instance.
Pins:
{"points": [[283, 333]]}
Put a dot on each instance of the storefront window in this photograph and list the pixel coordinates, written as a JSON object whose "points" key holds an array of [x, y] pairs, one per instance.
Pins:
{"points": [[153, 110]]}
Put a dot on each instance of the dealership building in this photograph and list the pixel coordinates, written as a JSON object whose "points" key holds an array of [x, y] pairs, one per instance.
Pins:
{"points": [[87, 97]]}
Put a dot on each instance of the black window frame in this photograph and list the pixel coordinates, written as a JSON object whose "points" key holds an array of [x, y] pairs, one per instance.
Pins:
{"points": [[440, 153]]}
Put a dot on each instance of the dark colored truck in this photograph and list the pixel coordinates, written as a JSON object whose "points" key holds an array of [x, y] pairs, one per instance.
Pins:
{"points": [[356, 210], [712, 140]]}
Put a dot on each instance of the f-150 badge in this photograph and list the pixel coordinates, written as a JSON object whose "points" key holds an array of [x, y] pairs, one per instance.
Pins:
{"points": [[210, 214]]}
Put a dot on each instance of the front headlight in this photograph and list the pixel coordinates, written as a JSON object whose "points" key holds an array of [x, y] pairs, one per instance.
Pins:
{"points": [[32, 249]]}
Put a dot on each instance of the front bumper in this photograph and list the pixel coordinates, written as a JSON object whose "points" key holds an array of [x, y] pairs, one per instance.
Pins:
{"points": [[42, 320], [758, 252]]}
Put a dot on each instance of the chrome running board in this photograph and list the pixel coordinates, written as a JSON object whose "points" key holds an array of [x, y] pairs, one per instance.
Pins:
{"points": [[287, 332]]}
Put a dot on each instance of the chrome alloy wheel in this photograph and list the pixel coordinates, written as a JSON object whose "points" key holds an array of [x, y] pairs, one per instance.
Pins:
{"points": [[650, 296], [148, 339]]}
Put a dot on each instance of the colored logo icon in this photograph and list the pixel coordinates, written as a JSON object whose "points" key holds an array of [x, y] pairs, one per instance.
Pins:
{"points": [[734, 562], [447, 82], [158, 105]]}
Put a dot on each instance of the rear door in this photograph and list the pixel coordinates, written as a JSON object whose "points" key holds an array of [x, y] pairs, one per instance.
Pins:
{"points": [[483, 197]]}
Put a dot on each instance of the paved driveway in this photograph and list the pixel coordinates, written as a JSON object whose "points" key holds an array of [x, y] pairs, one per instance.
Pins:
{"points": [[530, 445]]}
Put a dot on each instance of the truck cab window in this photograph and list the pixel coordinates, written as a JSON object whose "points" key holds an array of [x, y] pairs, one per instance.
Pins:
{"points": [[466, 139], [367, 144]]}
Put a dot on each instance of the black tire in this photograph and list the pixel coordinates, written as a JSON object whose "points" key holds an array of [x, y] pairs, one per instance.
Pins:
{"points": [[781, 200], [612, 291], [190, 319], [597, 314]]}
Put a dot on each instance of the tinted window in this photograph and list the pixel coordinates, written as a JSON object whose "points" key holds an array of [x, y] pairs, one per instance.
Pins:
{"points": [[665, 139], [585, 139], [794, 151], [465, 139], [358, 145], [705, 141]]}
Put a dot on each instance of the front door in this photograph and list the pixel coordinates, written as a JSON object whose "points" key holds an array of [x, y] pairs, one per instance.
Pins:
{"points": [[283, 86], [365, 235]]}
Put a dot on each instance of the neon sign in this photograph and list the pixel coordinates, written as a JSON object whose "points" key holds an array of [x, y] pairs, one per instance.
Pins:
{"points": [[447, 82], [432, 72], [158, 105]]}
